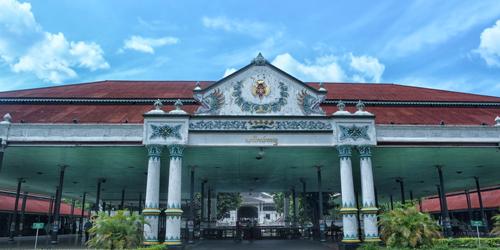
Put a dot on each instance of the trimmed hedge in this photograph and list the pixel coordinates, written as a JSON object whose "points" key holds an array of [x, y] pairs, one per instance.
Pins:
{"points": [[468, 242], [154, 247]]}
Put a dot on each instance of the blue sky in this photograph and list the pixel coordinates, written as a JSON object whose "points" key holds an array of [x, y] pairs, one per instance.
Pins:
{"points": [[452, 45]]}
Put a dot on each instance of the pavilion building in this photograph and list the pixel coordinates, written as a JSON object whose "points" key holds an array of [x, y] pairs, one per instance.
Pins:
{"points": [[162, 141]]}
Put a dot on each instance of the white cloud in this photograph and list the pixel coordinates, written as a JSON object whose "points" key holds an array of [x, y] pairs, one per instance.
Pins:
{"points": [[229, 71], [489, 47], [26, 48], [369, 67], [424, 24], [247, 27], [333, 68], [147, 45], [53, 58]]}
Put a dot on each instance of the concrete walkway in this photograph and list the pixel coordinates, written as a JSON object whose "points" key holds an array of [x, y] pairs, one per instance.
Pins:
{"points": [[67, 241], [260, 244]]}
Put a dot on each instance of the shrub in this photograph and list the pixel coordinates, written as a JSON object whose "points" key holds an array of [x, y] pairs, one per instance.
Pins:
{"points": [[407, 227], [496, 225], [153, 247], [119, 231], [468, 242]]}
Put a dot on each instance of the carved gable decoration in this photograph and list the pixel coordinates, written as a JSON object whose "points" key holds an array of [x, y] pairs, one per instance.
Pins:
{"points": [[259, 89]]}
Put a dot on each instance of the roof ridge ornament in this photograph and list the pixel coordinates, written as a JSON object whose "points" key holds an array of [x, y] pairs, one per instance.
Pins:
{"points": [[197, 87], [7, 119], [497, 121], [259, 60], [341, 107], [157, 108], [178, 108], [321, 87], [361, 109]]}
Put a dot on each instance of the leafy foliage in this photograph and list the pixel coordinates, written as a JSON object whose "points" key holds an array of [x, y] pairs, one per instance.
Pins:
{"points": [[496, 225], [227, 202], [408, 227], [468, 243], [120, 231]]}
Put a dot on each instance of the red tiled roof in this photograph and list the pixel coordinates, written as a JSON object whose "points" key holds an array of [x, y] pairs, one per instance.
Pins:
{"points": [[184, 89], [34, 206], [108, 113], [491, 199], [132, 113]]}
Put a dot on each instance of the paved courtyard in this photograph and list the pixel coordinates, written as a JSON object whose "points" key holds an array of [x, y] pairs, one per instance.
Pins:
{"points": [[73, 242], [261, 244]]}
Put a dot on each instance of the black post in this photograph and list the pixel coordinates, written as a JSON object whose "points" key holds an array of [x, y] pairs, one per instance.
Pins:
{"points": [[294, 210], [402, 188], [305, 204], [57, 208], [140, 203], [98, 195], [376, 197], [440, 205], [191, 210], [82, 214], [203, 200], [122, 204], [13, 223], [320, 208], [72, 217], [23, 211], [392, 202], [411, 196], [446, 217], [51, 208], [469, 206], [202, 215], [209, 203], [481, 208]]}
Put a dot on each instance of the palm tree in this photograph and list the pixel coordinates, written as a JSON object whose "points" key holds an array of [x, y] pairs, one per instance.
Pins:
{"points": [[120, 231], [406, 226]]}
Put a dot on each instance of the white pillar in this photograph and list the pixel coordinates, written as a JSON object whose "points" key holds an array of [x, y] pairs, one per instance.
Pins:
{"points": [[151, 209], [369, 209], [213, 208], [174, 211], [348, 210]]}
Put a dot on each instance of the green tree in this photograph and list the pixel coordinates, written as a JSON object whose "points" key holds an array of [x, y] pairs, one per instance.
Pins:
{"points": [[406, 227], [496, 225], [120, 231], [227, 202]]}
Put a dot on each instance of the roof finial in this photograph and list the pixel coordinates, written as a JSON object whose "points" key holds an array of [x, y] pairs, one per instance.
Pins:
{"points": [[7, 119], [321, 87], [497, 121], [178, 104], [158, 104], [360, 106], [197, 87], [259, 60], [178, 108], [341, 105]]}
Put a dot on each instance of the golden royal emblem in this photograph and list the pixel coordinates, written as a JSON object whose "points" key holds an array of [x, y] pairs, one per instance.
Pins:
{"points": [[260, 89]]}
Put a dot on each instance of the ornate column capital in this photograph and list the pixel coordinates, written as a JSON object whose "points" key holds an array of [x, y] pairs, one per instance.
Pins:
{"points": [[154, 151], [176, 151], [364, 151], [344, 151]]}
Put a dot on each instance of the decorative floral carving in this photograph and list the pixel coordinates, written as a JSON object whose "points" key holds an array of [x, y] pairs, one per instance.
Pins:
{"points": [[165, 131], [310, 104], [240, 125], [176, 151], [211, 103], [251, 107], [354, 132]]}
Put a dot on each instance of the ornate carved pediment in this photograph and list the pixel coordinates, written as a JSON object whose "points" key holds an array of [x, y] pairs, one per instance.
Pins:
{"points": [[259, 89]]}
